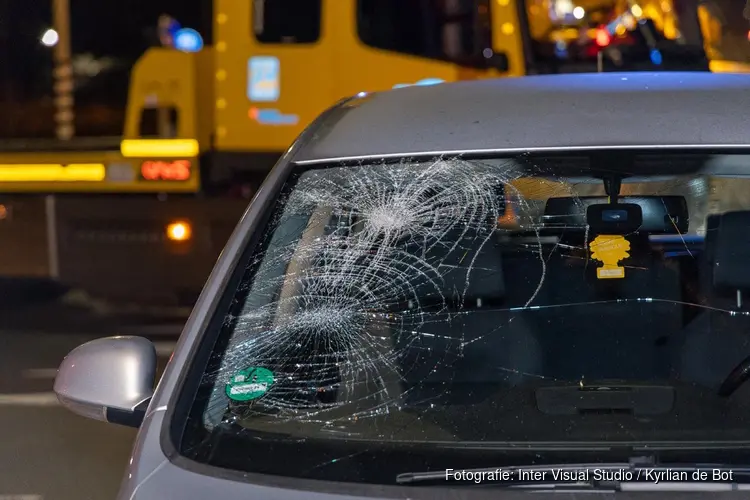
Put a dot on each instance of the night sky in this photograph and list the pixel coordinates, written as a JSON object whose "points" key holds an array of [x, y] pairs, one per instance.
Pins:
{"points": [[120, 29]]}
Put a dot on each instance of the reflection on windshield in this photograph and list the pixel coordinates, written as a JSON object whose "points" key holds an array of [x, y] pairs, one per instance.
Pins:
{"points": [[467, 301], [725, 30]]}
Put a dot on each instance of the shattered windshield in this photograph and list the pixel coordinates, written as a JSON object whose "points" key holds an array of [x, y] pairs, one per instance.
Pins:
{"points": [[398, 314]]}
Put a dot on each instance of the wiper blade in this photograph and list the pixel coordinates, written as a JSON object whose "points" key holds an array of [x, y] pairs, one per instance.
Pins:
{"points": [[634, 475]]}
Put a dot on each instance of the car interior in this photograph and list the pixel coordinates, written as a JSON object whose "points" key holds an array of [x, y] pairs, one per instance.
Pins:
{"points": [[518, 326], [653, 349]]}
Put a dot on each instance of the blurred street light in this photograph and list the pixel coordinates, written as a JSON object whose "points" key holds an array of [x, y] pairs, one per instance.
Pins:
{"points": [[50, 38]]}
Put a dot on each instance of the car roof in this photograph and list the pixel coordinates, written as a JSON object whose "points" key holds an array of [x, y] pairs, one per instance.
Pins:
{"points": [[550, 112]]}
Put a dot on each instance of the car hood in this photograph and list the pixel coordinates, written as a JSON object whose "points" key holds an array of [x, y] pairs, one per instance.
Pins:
{"points": [[151, 476]]}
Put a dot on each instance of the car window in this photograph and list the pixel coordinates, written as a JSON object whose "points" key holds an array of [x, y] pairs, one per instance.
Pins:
{"points": [[411, 315]]}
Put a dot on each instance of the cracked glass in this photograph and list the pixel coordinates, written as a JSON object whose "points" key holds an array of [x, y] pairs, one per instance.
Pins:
{"points": [[419, 315]]}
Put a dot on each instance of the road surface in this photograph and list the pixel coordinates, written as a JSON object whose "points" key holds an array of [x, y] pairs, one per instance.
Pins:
{"points": [[49, 453]]}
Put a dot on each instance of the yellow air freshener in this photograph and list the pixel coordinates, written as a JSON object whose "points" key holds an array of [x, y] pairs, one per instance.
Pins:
{"points": [[610, 249]]}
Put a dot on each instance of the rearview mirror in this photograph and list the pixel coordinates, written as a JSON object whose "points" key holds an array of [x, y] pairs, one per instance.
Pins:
{"points": [[109, 379]]}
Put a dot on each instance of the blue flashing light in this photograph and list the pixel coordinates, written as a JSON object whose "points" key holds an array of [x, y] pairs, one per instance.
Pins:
{"points": [[420, 83], [173, 27], [430, 81], [656, 57], [188, 40]]}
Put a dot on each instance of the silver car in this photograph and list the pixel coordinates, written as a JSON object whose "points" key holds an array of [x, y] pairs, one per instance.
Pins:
{"points": [[535, 284]]}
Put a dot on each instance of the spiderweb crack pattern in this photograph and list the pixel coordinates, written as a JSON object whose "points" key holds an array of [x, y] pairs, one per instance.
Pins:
{"points": [[345, 293]]}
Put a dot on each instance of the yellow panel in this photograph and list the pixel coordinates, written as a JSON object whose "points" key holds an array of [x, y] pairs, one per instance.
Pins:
{"points": [[19, 174], [506, 35], [311, 77], [305, 80], [729, 67], [84, 172], [535, 188], [159, 148], [164, 77]]}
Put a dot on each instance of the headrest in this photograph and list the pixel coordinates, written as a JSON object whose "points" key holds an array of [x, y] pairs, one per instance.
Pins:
{"points": [[660, 214], [712, 232], [731, 251]]}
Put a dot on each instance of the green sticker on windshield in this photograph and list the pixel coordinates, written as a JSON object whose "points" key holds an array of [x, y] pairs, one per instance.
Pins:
{"points": [[249, 384]]}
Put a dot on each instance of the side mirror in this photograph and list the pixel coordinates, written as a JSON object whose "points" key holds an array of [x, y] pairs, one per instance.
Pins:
{"points": [[109, 379]]}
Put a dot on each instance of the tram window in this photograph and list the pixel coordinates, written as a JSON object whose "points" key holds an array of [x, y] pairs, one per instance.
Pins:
{"points": [[159, 122], [453, 30], [287, 21]]}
